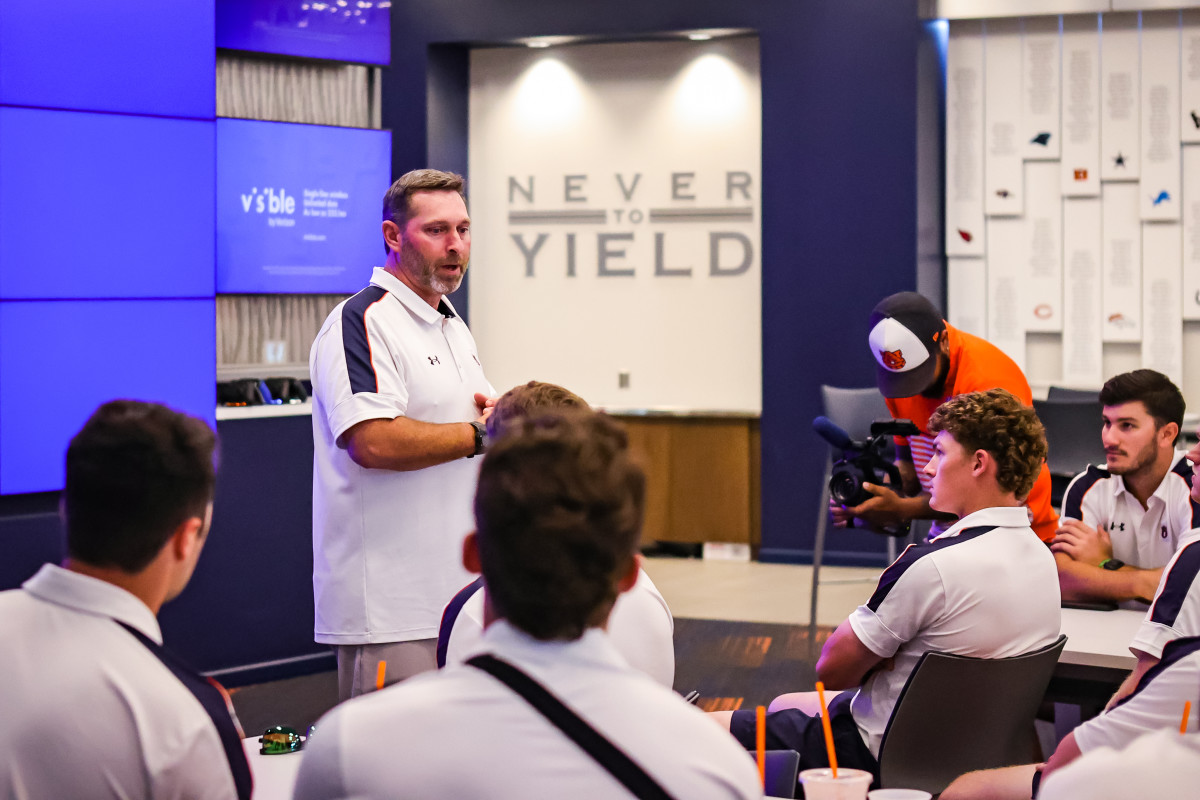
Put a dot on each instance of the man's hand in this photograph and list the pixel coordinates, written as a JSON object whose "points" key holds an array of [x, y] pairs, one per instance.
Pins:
{"points": [[1082, 543], [484, 404], [884, 509]]}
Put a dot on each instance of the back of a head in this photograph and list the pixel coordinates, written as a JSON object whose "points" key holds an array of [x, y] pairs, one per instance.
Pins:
{"points": [[1157, 393], [559, 516], [521, 402], [996, 421], [134, 473]]}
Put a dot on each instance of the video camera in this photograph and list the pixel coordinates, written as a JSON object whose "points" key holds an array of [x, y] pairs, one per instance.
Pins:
{"points": [[863, 462]]}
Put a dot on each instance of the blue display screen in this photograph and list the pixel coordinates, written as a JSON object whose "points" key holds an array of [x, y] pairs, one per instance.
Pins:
{"points": [[105, 205], [59, 360], [132, 56], [299, 207], [341, 30]]}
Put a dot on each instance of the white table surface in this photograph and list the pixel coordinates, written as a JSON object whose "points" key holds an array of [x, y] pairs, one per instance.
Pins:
{"points": [[1100, 638], [274, 776]]}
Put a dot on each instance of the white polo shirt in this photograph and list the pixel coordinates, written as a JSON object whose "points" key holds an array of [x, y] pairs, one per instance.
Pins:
{"points": [[1161, 765], [387, 545], [640, 627], [987, 587], [1156, 703], [1145, 538], [87, 710], [1175, 611], [459, 732]]}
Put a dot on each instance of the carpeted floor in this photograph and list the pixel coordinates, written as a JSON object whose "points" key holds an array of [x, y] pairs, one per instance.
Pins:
{"points": [[732, 665]]}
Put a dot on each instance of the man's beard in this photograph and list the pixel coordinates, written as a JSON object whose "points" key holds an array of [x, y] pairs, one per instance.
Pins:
{"points": [[424, 272], [1142, 460]]}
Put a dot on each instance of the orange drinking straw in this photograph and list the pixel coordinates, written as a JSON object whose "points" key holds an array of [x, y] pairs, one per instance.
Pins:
{"points": [[828, 729], [760, 742], [380, 672], [1187, 709]]}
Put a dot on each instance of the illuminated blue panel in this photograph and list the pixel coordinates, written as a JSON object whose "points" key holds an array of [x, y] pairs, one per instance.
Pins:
{"points": [[341, 30], [59, 360], [299, 206], [105, 205], [133, 56]]}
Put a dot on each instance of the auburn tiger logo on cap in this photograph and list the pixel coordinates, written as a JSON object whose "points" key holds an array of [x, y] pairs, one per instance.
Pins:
{"points": [[893, 359]]}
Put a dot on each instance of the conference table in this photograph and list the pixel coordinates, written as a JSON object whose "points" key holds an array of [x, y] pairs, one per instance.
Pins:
{"points": [[1095, 660]]}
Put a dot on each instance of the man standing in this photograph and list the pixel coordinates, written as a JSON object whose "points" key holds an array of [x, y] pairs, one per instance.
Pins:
{"points": [[922, 361], [399, 406], [551, 710], [1122, 523], [91, 704]]}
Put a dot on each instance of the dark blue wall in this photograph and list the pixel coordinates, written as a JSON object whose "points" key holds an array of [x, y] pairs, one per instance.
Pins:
{"points": [[839, 184]]}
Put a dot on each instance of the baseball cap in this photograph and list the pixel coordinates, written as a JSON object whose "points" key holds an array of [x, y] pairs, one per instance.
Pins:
{"points": [[904, 329]]}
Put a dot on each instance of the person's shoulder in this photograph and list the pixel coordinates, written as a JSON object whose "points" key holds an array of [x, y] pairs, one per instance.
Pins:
{"points": [[982, 365]]}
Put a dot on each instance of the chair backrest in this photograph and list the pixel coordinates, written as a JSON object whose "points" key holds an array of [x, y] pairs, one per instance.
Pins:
{"points": [[1057, 394], [782, 770], [958, 714], [853, 410], [1073, 434]]}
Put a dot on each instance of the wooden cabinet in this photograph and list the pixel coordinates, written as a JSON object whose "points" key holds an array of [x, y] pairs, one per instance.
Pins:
{"points": [[702, 477]]}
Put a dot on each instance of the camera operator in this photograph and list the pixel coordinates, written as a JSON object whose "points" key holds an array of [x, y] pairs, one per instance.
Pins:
{"points": [[921, 362]]}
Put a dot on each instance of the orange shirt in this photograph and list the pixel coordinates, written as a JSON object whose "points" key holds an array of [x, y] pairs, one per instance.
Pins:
{"points": [[975, 364]]}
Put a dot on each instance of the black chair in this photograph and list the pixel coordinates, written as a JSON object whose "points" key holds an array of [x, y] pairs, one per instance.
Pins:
{"points": [[782, 770], [1073, 436], [1059, 394], [957, 714], [852, 410]]}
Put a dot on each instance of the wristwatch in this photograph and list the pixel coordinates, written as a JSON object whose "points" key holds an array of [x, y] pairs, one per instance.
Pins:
{"points": [[1112, 564], [481, 439]]}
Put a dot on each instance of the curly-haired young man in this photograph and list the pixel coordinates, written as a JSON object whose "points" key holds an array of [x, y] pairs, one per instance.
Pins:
{"points": [[986, 587]]}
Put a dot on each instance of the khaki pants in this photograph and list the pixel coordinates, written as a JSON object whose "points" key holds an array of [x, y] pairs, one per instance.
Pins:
{"points": [[358, 664]]}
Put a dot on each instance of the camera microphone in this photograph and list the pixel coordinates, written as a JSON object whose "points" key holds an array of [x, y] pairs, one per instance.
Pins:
{"points": [[831, 433]]}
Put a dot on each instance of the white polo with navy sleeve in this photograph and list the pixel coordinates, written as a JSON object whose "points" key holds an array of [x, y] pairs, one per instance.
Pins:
{"points": [[1175, 611], [88, 710], [387, 545], [987, 587]]}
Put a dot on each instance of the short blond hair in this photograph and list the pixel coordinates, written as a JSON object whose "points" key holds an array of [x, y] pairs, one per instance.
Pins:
{"points": [[996, 421]]}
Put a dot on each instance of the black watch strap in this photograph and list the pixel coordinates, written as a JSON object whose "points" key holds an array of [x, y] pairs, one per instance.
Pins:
{"points": [[1112, 564], [481, 439]]}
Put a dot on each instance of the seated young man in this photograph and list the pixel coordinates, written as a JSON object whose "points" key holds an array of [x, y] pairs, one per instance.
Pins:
{"points": [[558, 513], [1121, 523], [986, 587], [1175, 610], [91, 705], [641, 626], [1156, 703], [1161, 765]]}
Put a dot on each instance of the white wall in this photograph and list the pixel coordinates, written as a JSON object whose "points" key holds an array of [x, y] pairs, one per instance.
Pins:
{"points": [[683, 120]]}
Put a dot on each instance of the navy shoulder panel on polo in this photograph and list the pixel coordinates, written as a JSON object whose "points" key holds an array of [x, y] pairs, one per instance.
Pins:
{"points": [[357, 342], [1183, 468], [1179, 581], [1174, 651], [215, 703], [450, 615], [914, 553], [1073, 503]]}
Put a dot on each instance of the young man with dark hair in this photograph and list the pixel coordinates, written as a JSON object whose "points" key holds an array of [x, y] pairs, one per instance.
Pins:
{"points": [[1121, 523], [399, 407], [921, 361], [559, 512], [91, 705], [986, 587], [641, 626]]}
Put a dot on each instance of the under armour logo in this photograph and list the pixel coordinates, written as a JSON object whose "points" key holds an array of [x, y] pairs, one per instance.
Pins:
{"points": [[1116, 526], [433, 360]]}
